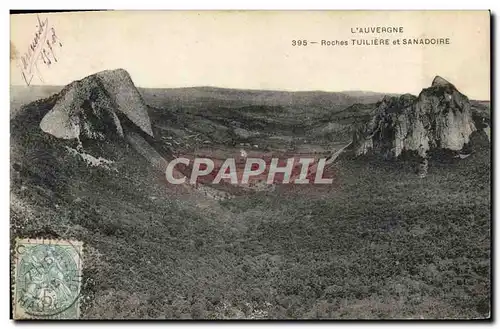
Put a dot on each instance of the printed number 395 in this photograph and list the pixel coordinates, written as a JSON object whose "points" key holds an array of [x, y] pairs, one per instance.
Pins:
{"points": [[299, 42]]}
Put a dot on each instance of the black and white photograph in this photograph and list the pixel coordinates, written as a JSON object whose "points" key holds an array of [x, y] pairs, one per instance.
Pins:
{"points": [[250, 165]]}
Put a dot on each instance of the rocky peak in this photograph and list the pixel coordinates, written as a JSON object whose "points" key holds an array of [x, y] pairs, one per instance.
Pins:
{"points": [[91, 107], [440, 117], [119, 84], [439, 81], [393, 104]]}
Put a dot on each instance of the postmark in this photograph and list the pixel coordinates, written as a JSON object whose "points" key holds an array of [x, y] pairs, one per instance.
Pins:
{"points": [[47, 279]]}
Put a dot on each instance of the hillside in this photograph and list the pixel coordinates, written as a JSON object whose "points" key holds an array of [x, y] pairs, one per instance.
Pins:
{"points": [[23, 95], [380, 242]]}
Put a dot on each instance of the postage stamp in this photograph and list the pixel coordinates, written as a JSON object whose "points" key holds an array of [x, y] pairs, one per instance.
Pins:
{"points": [[47, 279]]}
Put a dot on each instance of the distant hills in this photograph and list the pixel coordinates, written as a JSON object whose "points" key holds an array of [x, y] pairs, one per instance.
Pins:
{"points": [[196, 96], [233, 117]]}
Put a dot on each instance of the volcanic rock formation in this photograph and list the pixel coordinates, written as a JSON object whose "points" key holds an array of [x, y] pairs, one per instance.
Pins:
{"points": [[92, 107], [439, 118]]}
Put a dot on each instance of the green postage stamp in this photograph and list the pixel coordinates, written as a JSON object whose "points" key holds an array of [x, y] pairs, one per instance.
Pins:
{"points": [[47, 279]]}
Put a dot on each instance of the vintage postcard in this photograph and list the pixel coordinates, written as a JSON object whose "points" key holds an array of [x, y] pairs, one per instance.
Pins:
{"points": [[250, 165]]}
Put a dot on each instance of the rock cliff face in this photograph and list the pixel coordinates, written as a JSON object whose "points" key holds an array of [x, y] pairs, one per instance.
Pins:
{"points": [[91, 107], [439, 118]]}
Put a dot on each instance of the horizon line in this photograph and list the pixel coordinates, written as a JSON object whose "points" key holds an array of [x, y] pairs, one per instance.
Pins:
{"points": [[257, 90]]}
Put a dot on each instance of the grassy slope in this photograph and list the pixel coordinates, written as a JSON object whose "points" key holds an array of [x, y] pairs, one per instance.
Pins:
{"points": [[138, 234], [379, 243], [384, 244]]}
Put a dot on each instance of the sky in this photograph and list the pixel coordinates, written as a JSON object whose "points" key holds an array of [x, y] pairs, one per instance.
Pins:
{"points": [[254, 50]]}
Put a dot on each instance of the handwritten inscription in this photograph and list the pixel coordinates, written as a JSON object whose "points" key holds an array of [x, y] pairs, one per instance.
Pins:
{"points": [[42, 48]]}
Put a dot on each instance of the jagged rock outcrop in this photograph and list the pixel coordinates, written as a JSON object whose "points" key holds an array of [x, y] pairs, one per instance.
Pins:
{"points": [[91, 107], [439, 118]]}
